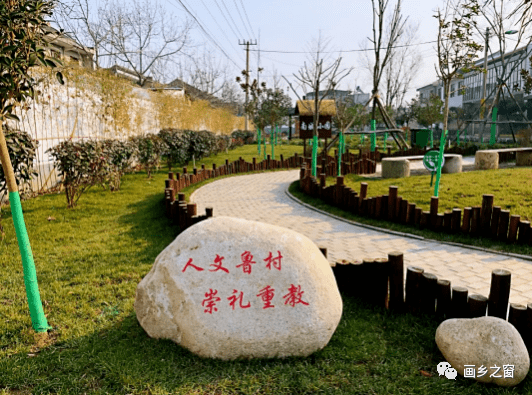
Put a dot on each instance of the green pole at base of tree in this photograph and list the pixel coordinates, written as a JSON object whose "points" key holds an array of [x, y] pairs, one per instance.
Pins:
{"points": [[272, 142], [373, 136], [258, 140], [314, 154], [340, 152], [440, 160], [493, 139], [385, 140], [38, 319]]}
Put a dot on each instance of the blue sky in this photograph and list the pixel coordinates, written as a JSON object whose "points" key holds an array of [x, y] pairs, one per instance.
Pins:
{"points": [[290, 25]]}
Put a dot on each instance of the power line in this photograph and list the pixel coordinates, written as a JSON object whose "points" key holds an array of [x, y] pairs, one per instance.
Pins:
{"points": [[227, 20], [231, 17], [217, 24], [345, 50], [206, 33], [246, 14], [242, 19]]}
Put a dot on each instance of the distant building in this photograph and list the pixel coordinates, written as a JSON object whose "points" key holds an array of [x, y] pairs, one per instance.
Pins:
{"points": [[515, 61], [194, 93], [436, 88], [66, 49], [131, 75], [357, 97]]}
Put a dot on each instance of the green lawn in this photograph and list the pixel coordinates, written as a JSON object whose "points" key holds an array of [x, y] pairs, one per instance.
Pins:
{"points": [[89, 261], [512, 190]]}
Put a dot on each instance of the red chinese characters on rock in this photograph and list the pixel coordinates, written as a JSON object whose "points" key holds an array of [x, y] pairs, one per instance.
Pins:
{"points": [[294, 296], [218, 264], [267, 294], [189, 263], [247, 261], [276, 262], [236, 297], [210, 301]]}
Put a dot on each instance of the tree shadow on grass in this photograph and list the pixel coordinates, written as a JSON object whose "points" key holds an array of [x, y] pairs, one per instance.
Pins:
{"points": [[372, 351]]}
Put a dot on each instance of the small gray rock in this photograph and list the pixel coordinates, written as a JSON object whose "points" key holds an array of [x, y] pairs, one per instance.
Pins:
{"points": [[487, 342]]}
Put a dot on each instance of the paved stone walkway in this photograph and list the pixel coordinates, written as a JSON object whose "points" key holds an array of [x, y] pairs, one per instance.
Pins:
{"points": [[262, 197]]}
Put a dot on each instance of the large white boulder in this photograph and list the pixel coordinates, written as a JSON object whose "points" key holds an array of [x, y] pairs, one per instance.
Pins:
{"points": [[476, 347], [231, 288]]}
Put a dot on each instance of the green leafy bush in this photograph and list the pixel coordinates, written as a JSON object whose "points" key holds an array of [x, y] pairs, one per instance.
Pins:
{"points": [[22, 152], [149, 150], [81, 165], [120, 156], [247, 136], [176, 146]]}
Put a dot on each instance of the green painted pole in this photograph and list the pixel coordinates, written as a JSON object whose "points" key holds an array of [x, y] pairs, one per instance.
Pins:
{"points": [[264, 148], [314, 154], [340, 149], [493, 139], [373, 136], [272, 142], [385, 140], [458, 138], [38, 319], [258, 140], [440, 160]]}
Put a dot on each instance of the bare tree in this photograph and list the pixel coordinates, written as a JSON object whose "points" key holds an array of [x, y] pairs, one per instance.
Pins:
{"points": [[456, 48], [143, 33], [384, 41], [386, 60], [498, 19], [84, 24], [404, 63], [319, 75]]}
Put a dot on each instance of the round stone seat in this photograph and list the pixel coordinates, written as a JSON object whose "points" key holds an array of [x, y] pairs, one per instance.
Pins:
{"points": [[398, 167], [453, 164], [486, 160], [523, 158], [395, 167]]}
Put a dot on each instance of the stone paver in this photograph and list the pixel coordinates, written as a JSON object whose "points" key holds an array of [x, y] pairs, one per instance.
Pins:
{"points": [[262, 197]]}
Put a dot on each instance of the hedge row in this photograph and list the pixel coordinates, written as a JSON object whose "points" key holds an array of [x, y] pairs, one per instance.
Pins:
{"points": [[83, 164]]}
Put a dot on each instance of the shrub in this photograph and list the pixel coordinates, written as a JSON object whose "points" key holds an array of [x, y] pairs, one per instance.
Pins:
{"points": [[80, 165], [202, 144], [120, 155], [176, 146], [22, 152], [149, 151], [247, 136]]}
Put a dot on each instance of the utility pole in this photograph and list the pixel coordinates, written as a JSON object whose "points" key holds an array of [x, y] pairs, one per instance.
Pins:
{"points": [[247, 44]]}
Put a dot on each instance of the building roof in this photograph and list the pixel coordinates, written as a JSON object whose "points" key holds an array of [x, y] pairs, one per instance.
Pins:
{"points": [[56, 38], [196, 94], [305, 107]]}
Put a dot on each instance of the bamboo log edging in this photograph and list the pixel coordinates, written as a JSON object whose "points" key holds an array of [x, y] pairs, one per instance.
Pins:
{"points": [[381, 282], [484, 221]]}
